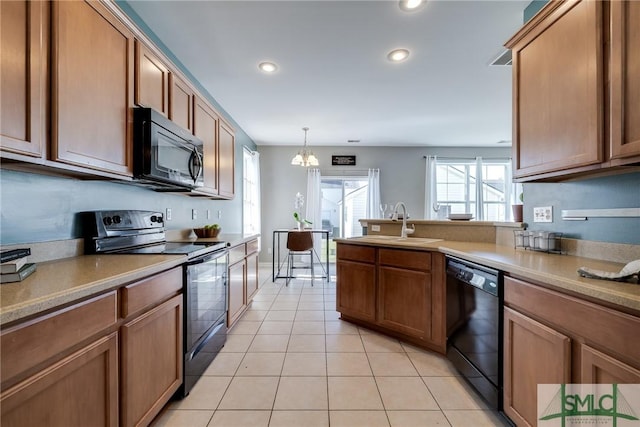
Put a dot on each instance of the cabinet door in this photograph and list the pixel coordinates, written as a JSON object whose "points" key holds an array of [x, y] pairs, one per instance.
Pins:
{"points": [[180, 102], [92, 87], [205, 127], [236, 292], [558, 112], [404, 301], [152, 80], [80, 390], [599, 368], [226, 159], [152, 356], [23, 76], [624, 81], [356, 290], [252, 276], [533, 354]]}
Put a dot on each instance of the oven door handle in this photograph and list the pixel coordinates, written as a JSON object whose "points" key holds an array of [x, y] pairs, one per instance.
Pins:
{"points": [[207, 258]]}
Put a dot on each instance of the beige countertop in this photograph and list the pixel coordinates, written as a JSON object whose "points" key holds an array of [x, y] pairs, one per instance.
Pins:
{"points": [[59, 282], [56, 283], [555, 271], [233, 239]]}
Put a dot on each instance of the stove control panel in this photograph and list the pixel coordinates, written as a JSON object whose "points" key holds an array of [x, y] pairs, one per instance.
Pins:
{"points": [[124, 222]]}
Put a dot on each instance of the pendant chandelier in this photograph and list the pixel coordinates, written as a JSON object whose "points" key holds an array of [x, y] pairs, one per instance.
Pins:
{"points": [[305, 157]]}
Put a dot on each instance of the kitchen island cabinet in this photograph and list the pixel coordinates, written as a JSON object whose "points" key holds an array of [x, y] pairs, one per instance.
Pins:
{"points": [[397, 291], [554, 338]]}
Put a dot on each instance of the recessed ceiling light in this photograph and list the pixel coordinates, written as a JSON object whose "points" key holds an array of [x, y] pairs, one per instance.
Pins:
{"points": [[410, 5], [268, 67], [398, 55]]}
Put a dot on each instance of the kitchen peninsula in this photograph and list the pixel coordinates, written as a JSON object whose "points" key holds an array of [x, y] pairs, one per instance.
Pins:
{"points": [[583, 329]]}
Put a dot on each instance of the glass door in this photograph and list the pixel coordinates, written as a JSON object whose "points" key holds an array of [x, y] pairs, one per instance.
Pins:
{"points": [[344, 202]]}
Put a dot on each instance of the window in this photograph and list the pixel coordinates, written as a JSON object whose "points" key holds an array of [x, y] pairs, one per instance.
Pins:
{"points": [[251, 192], [457, 181]]}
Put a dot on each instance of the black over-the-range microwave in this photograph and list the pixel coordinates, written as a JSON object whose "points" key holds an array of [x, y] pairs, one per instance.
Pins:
{"points": [[165, 156]]}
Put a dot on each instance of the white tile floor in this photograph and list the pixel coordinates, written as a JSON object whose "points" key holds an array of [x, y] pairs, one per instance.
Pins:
{"points": [[290, 361]]}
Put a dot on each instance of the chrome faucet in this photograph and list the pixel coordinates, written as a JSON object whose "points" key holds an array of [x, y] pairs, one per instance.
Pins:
{"points": [[405, 231]]}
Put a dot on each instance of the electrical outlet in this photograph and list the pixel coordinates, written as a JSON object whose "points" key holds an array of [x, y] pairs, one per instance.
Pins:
{"points": [[168, 215], [219, 214], [375, 227], [194, 214], [208, 214], [543, 214]]}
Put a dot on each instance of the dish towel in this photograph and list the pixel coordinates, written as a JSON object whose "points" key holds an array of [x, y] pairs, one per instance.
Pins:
{"points": [[629, 273]]}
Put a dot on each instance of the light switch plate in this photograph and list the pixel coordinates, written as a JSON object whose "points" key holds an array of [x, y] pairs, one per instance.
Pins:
{"points": [[543, 214], [168, 215], [375, 227], [194, 214]]}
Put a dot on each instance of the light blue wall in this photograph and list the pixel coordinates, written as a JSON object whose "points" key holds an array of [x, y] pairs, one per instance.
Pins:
{"points": [[38, 208], [618, 191]]}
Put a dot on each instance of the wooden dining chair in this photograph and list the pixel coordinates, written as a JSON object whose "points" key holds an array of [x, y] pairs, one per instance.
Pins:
{"points": [[299, 243]]}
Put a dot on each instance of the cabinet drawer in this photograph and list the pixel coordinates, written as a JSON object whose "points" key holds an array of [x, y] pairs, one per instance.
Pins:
{"points": [[236, 254], [151, 291], [601, 326], [31, 343], [357, 253], [252, 246], [405, 259]]}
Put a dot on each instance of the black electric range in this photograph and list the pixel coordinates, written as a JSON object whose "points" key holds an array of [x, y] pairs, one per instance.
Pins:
{"points": [[204, 279], [136, 232]]}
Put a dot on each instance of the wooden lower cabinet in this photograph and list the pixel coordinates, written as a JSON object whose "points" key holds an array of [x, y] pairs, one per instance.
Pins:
{"points": [[79, 390], [399, 292], [554, 338], [243, 278], [533, 354], [252, 276], [600, 368], [151, 358], [236, 292], [356, 290], [404, 301]]}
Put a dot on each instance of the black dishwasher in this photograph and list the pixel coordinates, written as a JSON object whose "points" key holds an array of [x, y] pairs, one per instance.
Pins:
{"points": [[474, 326]]}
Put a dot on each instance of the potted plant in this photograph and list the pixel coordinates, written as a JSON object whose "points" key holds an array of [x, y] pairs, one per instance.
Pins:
{"points": [[300, 222], [518, 208]]}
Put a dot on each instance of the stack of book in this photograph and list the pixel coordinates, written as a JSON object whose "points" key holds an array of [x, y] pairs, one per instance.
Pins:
{"points": [[14, 266]]}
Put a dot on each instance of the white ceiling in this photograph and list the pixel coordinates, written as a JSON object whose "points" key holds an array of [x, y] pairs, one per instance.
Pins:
{"points": [[333, 73]]}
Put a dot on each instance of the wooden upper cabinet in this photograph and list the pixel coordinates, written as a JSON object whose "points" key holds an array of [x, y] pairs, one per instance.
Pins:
{"points": [[624, 79], [205, 127], [92, 87], [180, 102], [558, 112], [23, 76], [226, 160], [152, 80]]}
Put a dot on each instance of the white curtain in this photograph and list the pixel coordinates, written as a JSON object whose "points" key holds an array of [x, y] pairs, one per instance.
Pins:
{"points": [[373, 195], [251, 192], [314, 204], [314, 198], [431, 189], [479, 190]]}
